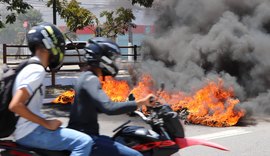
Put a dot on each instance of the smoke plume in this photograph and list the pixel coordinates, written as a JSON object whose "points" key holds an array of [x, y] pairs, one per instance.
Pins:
{"points": [[201, 40]]}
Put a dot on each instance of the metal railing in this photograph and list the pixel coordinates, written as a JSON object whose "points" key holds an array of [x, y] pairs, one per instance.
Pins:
{"points": [[17, 58]]}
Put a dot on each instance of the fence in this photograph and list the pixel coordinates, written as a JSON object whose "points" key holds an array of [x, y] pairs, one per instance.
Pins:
{"points": [[17, 58]]}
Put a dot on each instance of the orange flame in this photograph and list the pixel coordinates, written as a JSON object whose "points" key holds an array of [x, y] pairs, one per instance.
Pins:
{"points": [[65, 98], [212, 105], [117, 90]]}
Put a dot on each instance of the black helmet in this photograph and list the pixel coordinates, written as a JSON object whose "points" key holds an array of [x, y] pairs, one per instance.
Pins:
{"points": [[50, 37], [103, 53]]}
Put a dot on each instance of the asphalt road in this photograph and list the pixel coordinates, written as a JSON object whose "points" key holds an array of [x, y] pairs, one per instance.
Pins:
{"points": [[249, 140], [252, 140]]}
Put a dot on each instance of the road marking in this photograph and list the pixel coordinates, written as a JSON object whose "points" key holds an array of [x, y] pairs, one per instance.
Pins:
{"points": [[222, 134]]}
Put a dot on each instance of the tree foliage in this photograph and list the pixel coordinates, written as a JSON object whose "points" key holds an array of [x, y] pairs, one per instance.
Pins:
{"points": [[117, 22], [75, 16], [14, 7], [145, 3]]}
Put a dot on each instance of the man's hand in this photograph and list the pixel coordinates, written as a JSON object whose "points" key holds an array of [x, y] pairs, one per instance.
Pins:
{"points": [[149, 101], [53, 124]]}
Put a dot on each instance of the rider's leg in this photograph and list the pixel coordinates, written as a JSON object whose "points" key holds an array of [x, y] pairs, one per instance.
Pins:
{"points": [[105, 145], [78, 143]]}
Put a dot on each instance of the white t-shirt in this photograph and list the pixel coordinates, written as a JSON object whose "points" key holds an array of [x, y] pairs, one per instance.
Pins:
{"points": [[30, 77]]}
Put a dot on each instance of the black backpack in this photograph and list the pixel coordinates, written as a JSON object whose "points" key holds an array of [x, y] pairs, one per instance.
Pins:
{"points": [[8, 119]]}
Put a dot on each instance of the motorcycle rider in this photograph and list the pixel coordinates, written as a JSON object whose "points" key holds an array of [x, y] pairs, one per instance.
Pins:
{"points": [[47, 45], [101, 58]]}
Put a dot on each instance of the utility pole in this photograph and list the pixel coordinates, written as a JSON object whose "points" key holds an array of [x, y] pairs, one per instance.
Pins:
{"points": [[54, 12], [54, 22], [130, 44], [130, 34]]}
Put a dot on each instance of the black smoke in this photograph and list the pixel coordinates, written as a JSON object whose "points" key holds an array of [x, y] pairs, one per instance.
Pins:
{"points": [[200, 40]]}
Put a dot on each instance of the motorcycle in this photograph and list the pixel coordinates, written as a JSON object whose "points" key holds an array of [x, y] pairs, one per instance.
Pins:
{"points": [[165, 137]]}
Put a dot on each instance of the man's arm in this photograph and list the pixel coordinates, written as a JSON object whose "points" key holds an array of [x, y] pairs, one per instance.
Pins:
{"points": [[17, 105], [93, 87], [26, 82]]}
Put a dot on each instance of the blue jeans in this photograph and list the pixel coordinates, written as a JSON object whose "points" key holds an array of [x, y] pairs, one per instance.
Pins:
{"points": [[77, 142], [104, 145]]}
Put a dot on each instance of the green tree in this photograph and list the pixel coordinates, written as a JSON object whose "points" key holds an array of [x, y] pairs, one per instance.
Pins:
{"points": [[75, 16], [14, 7], [145, 3], [117, 22]]}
